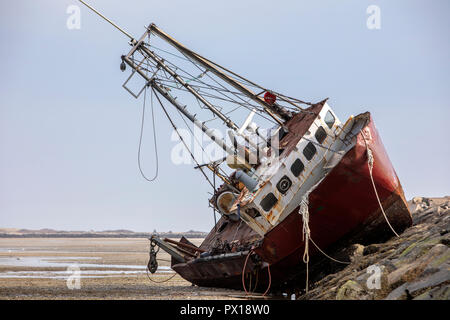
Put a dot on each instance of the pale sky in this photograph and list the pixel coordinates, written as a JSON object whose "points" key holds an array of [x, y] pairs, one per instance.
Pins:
{"points": [[69, 132]]}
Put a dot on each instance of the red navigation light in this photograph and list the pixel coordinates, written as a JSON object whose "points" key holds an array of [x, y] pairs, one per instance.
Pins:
{"points": [[270, 98]]}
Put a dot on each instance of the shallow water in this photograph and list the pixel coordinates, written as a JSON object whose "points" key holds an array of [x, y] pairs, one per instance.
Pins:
{"points": [[107, 270], [83, 273]]}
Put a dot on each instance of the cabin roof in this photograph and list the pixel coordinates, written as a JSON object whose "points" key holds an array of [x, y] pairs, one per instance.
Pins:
{"points": [[297, 127]]}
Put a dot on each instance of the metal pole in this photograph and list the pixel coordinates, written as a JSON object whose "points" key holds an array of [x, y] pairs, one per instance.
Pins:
{"points": [[230, 124], [147, 53], [271, 110], [112, 23], [227, 121], [214, 207], [192, 118]]}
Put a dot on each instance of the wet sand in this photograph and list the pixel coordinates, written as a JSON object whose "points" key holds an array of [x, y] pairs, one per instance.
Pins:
{"points": [[109, 268]]}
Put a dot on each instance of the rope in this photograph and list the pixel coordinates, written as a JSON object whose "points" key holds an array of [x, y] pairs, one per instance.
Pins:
{"points": [[270, 280], [243, 276], [331, 258], [162, 280], [142, 133], [234, 236], [370, 162], [154, 139], [243, 272], [304, 212], [257, 278]]}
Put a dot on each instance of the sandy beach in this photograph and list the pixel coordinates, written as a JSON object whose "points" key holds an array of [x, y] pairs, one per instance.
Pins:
{"points": [[109, 268]]}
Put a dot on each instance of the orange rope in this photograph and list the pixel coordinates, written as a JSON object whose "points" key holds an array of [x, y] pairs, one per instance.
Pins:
{"points": [[243, 276], [243, 271], [270, 280]]}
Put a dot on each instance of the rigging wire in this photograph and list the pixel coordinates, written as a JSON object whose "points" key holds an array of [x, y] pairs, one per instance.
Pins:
{"points": [[233, 75], [181, 137], [193, 78], [229, 91], [186, 59], [200, 144], [154, 139], [218, 169], [261, 112], [243, 80]]}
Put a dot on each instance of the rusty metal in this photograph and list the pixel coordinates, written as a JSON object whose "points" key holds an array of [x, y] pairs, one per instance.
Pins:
{"points": [[272, 231], [152, 265], [185, 245], [174, 252], [335, 222], [186, 252]]}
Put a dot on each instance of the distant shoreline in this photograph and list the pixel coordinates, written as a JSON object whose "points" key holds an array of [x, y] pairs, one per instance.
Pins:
{"points": [[103, 235]]}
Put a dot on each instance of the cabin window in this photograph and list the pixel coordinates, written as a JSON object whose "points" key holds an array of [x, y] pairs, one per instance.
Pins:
{"points": [[297, 167], [320, 134], [268, 202], [329, 119], [309, 151]]}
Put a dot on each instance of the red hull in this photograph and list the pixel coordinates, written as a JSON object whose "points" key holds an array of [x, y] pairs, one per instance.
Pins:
{"points": [[343, 209]]}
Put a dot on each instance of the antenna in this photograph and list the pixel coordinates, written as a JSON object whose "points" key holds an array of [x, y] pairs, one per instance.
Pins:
{"points": [[115, 25]]}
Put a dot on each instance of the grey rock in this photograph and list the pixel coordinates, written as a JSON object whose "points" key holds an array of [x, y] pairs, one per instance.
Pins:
{"points": [[371, 249], [439, 293], [351, 290], [397, 293], [430, 281], [415, 265]]}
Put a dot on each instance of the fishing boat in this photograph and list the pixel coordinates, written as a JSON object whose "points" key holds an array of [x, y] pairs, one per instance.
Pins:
{"points": [[298, 184]]}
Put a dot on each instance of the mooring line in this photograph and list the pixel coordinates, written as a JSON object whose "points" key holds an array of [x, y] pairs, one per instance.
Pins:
{"points": [[370, 162]]}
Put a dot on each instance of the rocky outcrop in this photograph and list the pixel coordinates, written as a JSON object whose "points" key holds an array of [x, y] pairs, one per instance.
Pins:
{"points": [[414, 266]]}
